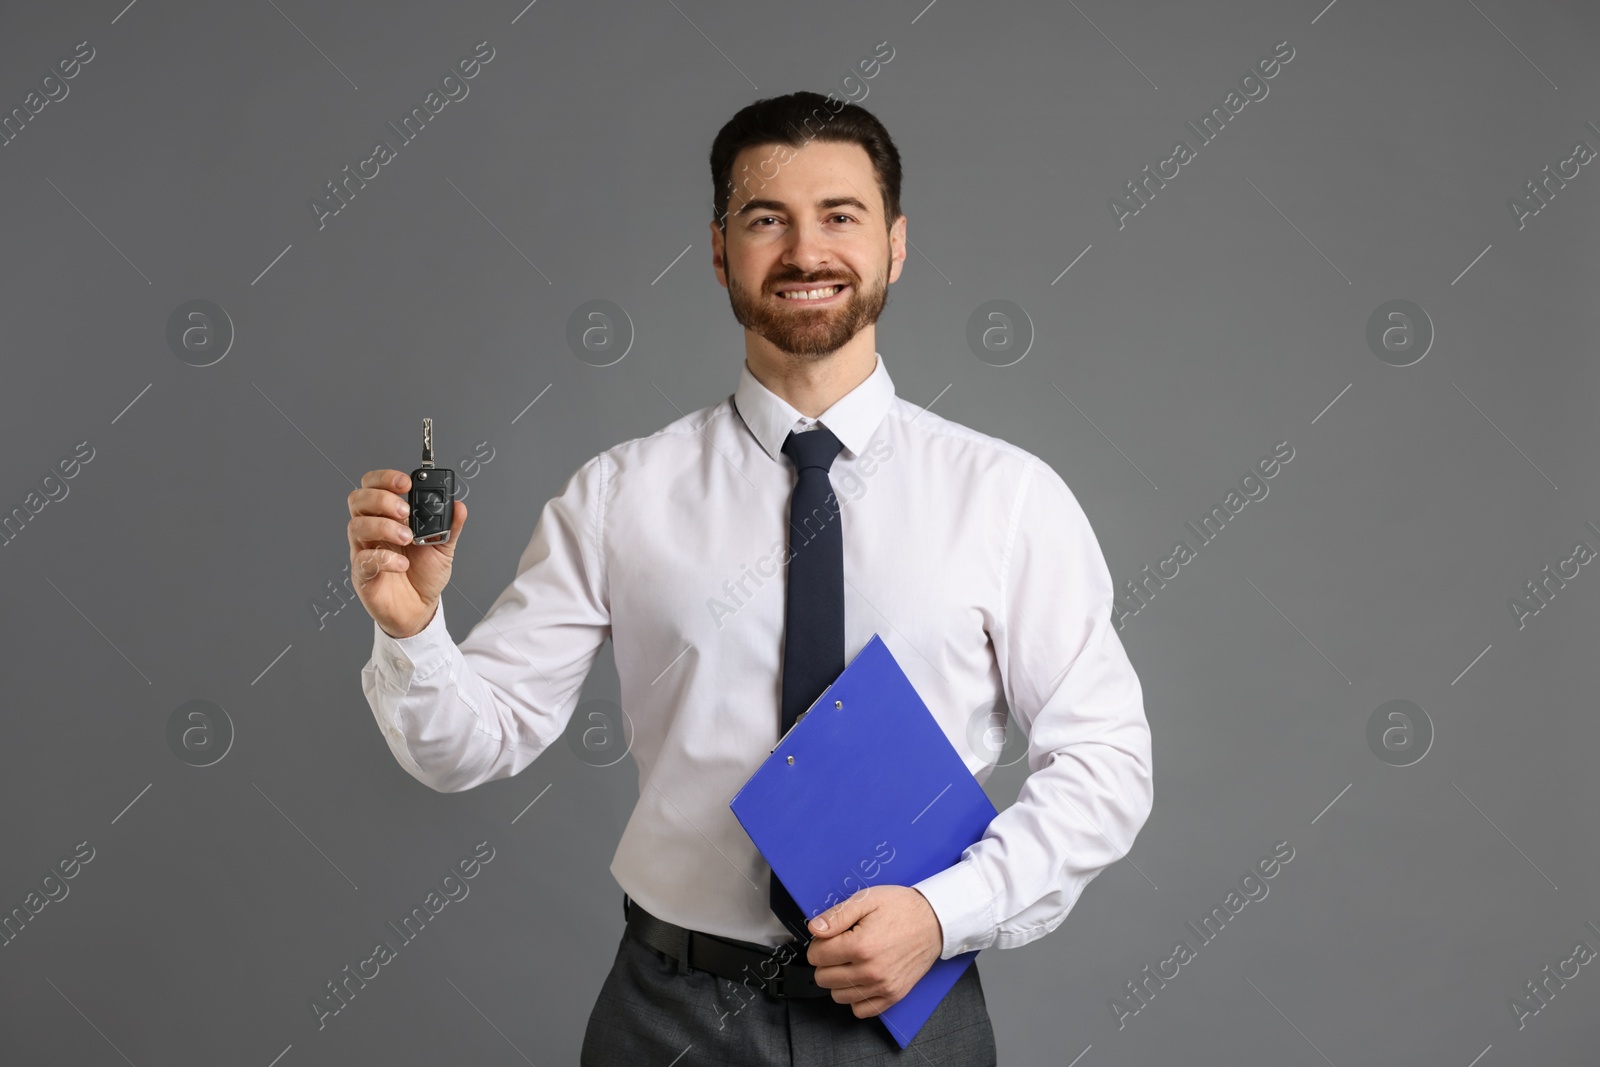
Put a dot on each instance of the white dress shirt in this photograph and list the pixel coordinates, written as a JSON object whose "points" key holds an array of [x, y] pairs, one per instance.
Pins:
{"points": [[969, 556]]}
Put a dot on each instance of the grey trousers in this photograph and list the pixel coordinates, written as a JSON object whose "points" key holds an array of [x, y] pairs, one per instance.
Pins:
{"points": [[649, 1015]]}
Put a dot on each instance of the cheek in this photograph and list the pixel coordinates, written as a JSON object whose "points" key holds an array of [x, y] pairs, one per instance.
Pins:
{"points": [[749, 264]]}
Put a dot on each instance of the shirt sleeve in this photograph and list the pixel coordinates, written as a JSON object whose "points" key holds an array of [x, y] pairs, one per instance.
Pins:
{"points": [[1070, 687], [458, 716]]}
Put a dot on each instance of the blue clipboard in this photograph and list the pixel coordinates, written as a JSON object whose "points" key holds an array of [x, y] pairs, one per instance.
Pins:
{"points": [[865, 789]]}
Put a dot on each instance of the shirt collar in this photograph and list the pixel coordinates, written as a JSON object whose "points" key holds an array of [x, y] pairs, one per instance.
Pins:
{"points": [[852, 419]]}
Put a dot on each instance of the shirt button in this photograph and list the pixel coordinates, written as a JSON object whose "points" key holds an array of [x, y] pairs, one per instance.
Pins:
{"points": [[399, 664]]}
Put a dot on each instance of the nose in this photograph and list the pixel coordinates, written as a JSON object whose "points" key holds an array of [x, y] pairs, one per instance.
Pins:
{"points": [[807, 248]]}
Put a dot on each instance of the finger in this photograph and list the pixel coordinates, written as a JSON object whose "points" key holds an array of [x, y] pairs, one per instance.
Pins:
{"points": [[371, 562], [856, 993], [864, 992], [379, 502], [868, 1009], [458, 519], [841, 977], [399, 481], [849, 995], [843, 915], [376, 528], [838, 946]]}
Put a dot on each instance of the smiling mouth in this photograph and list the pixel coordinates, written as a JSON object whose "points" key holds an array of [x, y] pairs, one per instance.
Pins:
{"points": [[822, 294]]}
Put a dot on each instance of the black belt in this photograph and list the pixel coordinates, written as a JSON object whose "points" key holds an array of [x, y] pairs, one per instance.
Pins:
{"points": [[750, 964]]}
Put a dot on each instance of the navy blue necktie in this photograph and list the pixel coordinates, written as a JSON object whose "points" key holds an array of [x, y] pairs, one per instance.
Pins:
{"points": [[813, 636]]}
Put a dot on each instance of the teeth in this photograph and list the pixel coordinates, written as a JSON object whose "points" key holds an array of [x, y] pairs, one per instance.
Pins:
{"points": [[812, 294]]}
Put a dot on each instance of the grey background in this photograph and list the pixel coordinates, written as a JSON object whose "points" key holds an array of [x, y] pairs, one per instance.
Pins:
{"points": [[1230, 314]]}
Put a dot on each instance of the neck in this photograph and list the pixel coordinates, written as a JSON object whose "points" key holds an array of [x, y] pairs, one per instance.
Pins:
{"points": [[812, 384]]}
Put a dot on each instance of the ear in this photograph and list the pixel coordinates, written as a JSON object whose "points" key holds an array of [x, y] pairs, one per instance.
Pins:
{"points": [[718, 252], [897, 248]]}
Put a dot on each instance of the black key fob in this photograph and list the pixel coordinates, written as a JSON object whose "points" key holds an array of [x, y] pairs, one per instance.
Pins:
{"points": [[432, 496]]}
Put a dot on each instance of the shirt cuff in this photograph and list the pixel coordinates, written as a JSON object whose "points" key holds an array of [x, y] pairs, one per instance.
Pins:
{"points": [[399, 660], [964, 905]]}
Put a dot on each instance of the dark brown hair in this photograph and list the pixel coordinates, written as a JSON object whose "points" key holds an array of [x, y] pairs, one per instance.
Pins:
{"points": [[795, 120]]}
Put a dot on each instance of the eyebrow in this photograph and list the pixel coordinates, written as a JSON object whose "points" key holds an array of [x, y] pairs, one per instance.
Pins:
{"points": [[826, 203]]}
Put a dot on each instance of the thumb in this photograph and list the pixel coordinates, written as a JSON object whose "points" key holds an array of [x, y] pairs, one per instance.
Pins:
{"points": [[841, 917], [458, 519]]}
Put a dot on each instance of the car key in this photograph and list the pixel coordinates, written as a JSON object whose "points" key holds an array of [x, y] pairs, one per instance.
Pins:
{"points": [[432, 495]]}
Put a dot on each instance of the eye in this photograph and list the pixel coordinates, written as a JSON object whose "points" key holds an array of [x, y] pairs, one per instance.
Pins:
{"points": [[845, 217], [763, 218]]}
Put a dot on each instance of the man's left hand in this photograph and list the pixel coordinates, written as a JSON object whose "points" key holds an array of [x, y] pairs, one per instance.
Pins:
{"points": [[872, 948]]}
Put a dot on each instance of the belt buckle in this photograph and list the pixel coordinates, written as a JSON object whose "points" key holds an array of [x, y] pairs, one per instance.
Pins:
{"points": [[774, 985], [787, 982]]}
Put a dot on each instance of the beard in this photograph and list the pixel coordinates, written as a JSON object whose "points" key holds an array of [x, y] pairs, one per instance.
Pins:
{"points": [[800, 330]]}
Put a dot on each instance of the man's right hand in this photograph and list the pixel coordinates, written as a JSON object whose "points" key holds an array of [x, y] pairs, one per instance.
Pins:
{"points": [[399, 583]]}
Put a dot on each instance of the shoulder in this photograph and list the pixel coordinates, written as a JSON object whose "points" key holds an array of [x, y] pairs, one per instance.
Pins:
{"points": [[961, 448], [686, 430], [673, 447]]}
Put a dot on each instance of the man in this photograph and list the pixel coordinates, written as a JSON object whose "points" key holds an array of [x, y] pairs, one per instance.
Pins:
{"points": [[738, 558]]}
